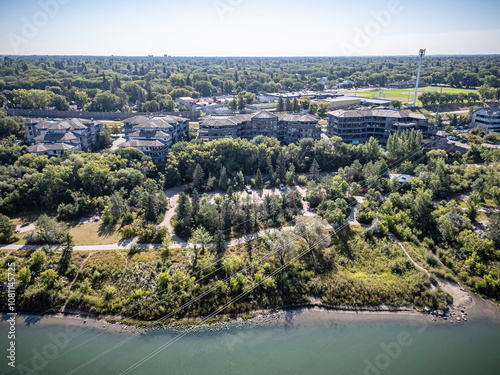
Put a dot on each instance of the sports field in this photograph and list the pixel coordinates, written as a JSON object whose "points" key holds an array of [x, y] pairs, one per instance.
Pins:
{"points": [[406, 95]]}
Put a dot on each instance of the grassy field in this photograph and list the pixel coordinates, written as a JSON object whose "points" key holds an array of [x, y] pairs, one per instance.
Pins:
{"points": [[93, 234], [83, 234], [406, 95]]}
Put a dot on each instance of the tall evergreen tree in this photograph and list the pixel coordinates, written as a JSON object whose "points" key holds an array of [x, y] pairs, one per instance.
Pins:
{"points": [[198, 175], [281, 106], [259, 182], [195, 202], [314, 170]]}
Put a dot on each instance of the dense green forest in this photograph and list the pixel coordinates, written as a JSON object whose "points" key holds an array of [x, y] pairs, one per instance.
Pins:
{"points": [[151, 84]]}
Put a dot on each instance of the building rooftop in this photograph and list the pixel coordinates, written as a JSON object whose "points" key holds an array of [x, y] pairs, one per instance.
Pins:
{"points": [[375, 101], [76, 124], [53, 125], [295, 117], [264, 115], [341, 99], [239, 119], [141, 143], [160, 121], [490, 111], [149, 134], [60, 124], [40, 147], [384, 113], [55, 137]]}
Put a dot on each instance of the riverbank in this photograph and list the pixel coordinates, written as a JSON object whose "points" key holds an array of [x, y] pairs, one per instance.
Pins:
{"points": [[299, 316], [466, 309]]}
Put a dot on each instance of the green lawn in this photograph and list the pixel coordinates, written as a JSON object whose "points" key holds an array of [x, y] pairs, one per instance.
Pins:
{"points": [[406, 95], [93, 234], [83, 234]]}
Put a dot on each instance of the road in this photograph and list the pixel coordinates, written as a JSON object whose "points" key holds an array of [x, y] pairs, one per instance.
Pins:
{"points": [[451, 112], [351, 219], [467, 146], [117, 142]]}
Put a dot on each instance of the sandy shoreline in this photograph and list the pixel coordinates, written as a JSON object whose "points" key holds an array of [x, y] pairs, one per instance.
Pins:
{"points": [[293, 316], [297, 316], [466, 307]]}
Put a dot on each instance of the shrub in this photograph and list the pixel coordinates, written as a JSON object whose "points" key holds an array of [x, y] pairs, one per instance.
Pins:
{"points": [[133, 250], [108, 292], [396, 268], [302, 180], [431, 259], [67, 211], [127, 232], [6, 228], [10, 259], [47, 231]]}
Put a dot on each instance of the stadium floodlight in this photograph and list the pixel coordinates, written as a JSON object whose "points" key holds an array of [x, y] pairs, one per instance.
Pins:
{"points": [[421, 55]]}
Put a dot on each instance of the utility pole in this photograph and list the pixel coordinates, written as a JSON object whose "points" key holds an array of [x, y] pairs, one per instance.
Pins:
{"points": [[421, 55]]}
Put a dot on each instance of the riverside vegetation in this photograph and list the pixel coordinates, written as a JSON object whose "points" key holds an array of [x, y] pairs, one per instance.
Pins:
{"points": [[357, 266]]}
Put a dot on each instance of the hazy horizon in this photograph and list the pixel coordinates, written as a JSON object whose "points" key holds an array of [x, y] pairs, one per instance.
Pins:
{"points": [[244, 28], [257, 57]]}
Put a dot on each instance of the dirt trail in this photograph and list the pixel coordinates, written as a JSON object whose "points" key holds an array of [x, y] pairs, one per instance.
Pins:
{"points": [[461, 297]]}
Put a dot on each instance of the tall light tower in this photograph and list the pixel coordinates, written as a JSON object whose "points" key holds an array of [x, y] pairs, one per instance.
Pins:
{"points": [[421, 55]]}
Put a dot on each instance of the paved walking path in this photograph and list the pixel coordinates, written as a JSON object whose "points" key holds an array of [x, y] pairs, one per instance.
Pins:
{"points": [[177, 242], [351, 219]]}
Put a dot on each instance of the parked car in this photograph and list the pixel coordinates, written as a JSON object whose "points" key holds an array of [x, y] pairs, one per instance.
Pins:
{"points": [[282, 187], [248, 189]]}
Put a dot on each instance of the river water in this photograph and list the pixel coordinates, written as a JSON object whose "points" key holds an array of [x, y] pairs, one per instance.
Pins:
{"points": [[323, 346]]}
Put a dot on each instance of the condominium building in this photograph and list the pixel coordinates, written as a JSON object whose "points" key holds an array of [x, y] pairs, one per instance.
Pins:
{"points": [[487, 118], [53, 136], [357, 126], [287, 128], [154, 135]]}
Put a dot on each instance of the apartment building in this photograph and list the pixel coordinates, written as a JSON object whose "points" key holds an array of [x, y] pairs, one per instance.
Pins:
{"points": [[53, 136], [357, 126], [487, 118], [154, 135], [287, 128]]}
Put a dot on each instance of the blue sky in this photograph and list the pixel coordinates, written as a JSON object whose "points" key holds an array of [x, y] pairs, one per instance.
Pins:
{"points": [[248, 27]]}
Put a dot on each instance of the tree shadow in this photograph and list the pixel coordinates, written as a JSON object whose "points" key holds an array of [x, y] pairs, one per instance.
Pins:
{"points": [[106, 230], [342, 242], [27, 319], [32, 319]]}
